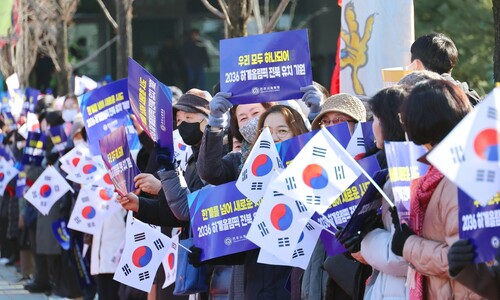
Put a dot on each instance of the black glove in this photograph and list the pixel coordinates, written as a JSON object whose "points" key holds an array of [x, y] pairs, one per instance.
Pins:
{"points": [[353, 244], [194, 256], [460, 255], [402, 233], [165, 159]]}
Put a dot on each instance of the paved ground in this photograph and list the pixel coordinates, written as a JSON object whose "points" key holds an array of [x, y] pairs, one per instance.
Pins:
{"points": [[10, 288]]}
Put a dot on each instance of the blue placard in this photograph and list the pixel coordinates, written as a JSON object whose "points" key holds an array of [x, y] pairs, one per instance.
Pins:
{"points": [[34, 152], [266, 67], [58, 138], [368, 206], [151, 103], [118, 161], [403, 168], [104, 110], [288, 149], [31, 98], [480, 224], [220, 219], [339, 213]]}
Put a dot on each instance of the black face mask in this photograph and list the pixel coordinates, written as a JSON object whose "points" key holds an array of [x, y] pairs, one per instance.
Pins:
{"points": [[190, 133]]}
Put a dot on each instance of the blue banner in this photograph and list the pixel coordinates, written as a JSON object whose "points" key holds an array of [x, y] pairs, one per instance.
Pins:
{"points": [[151, 103], [265, 67], [220, 219], [288, 149], [403, 168], [60, 231], [58, 138], [339, 213], [480, 224], [368, 206], [34, 152], [104, 110], [31, 97], [118, 161]]}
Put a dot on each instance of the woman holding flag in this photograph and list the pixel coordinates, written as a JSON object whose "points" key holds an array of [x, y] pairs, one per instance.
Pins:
{"points": [[389, 271], [260, 280], [431, 111]]}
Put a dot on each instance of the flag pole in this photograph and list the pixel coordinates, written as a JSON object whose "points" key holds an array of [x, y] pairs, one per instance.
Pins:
{"points": [[352, 160]]}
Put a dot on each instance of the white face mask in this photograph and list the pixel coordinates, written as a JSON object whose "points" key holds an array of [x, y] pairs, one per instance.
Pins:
{"points": [[69, 115]]}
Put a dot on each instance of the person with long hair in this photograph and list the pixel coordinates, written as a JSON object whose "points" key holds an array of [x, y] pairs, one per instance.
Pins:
{"points": [[430, 112]]}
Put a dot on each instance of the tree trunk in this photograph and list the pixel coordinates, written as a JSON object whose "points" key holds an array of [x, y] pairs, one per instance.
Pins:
{"points": [[496, 53], [124, 42], [238, 15], [63, 75]]}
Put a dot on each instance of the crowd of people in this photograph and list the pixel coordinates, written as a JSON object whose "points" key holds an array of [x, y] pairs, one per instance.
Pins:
{"points": [[388, 259]]}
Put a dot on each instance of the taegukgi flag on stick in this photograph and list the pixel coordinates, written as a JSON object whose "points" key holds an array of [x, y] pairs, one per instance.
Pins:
{"points": [[257, 170], [145, 247], [170, 262], [303, 250], [279, 222], [47, 189], [70, 160], [92, 206], [319, 173], [7, 172], [469, 154], [87, 170]]}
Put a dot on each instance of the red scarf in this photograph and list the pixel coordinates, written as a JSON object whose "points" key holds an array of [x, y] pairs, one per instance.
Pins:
{"points": [[421, 192]]}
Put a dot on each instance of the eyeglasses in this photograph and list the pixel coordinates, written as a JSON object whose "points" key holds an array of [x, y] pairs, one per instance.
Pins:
{"points": [[281, 133], [328, 122]]}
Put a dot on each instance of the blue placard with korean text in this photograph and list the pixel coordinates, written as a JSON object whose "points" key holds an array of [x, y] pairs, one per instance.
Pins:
{"points": [[151, 103], [220, 219], [58, 138], [265, 67], [288, 149], [118, 161], [31, 98], [403, 168], [368, 206], [34, 152], [340, 211], [480, 224], [104, 110]]}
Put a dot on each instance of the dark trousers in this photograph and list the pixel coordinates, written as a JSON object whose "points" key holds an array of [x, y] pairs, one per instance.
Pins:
{"points": [[107, 288]]}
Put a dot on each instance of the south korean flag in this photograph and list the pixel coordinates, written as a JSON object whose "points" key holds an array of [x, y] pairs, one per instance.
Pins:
{"points": [[91, 208], [319, 173], [145, 248], [278, 223], [70, 160], [86, 171], [47, 189], [7, 172], [303, 251], [182, 151], [169, 262], [257, 170]]}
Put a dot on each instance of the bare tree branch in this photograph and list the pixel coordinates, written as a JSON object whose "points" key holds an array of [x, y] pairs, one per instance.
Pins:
{"points": [[250, 7], [258, 17], [224, 7], [212, 9], [276, 15], [107, 14], [293, 6]]}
